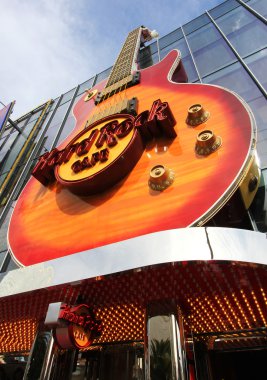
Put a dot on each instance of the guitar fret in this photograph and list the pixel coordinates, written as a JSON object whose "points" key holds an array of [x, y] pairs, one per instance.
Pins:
{"points": [[123, 65]]}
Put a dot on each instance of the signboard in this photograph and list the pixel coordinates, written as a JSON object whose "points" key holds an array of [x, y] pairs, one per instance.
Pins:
{"points": [[105, 152], [172, 165], [74, 326]]}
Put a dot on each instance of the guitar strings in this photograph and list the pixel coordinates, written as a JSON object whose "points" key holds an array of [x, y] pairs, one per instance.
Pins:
{"points": [[119, 97]]}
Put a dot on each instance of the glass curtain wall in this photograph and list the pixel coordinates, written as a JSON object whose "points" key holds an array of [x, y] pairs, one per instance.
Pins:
{"points": [[226, 46]]}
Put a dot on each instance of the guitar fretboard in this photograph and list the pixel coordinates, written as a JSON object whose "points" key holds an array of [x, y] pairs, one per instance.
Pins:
{"points": [[124, 63]]}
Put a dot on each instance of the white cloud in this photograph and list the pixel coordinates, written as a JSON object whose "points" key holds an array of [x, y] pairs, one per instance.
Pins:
{"points": [[44, 55]]}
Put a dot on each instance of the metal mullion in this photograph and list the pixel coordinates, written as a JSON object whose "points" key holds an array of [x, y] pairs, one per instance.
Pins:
{"points": [[251, 10], [94, 81], [6, 261], [65, 118], [158, 49], [27, 166], [190, 51], [240, 59]]}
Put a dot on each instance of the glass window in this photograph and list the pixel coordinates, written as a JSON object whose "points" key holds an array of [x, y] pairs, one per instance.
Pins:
{"points": [[209, 49], [258, 63], [55, 124], [235, 78], [262, 153], [259, 205], [2, 142], [186, 58], [21, 140], [103, 75], [6, 132], [244, 31], [85, 85], [68, 96], [153, 47], [170, 38], [259, 5], [2, 178], [180, 45], [3, 231], [259, 109], [190, 69], [50, 136], [35, 115], [7, 147], [223, 8], [146, 58], [2, 258], [11, 265], [52, 107], [196, 23], [68, 127]]}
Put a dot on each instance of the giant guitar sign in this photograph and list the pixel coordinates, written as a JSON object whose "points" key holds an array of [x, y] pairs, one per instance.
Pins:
{"points": [[146, 154]]}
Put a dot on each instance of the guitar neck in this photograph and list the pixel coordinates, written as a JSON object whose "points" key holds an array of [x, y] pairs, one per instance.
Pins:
{"points": [[126, 61]]}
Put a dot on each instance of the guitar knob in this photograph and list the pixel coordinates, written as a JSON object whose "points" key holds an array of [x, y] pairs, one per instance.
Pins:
{"points": [[160, 178], [90, 94], [207, 143], [197, 115]]}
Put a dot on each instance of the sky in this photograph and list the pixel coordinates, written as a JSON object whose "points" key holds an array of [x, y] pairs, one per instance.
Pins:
{"points": [[50, 46]]}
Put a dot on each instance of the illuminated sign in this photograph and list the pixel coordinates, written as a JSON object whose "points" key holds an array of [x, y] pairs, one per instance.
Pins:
{"points": [[77, 327], [106, 151]]}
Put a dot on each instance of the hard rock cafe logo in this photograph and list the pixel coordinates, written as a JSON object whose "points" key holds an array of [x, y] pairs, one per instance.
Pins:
{"points": [[79, 327], [106, 151]]}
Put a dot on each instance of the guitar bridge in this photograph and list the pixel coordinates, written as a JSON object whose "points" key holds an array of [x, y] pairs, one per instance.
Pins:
{"points": [[129, 81]]}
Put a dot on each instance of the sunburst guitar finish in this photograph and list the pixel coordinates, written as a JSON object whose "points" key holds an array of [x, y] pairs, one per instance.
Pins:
{"points": [[52, 222]]}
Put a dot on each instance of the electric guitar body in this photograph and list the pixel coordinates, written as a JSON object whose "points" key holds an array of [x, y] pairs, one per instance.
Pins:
{"points": [[51, 221]]}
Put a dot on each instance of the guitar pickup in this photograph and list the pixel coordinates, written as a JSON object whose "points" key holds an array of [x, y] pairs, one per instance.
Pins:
{"points": [[121, 85]]}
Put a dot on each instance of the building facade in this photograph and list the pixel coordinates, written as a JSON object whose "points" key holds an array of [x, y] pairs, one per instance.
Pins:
{"points": [[209, 293]]}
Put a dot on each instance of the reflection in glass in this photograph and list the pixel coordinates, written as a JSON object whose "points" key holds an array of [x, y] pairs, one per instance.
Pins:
{"points": [[259, 109], [210, 51], [258, 63], [259, 5], [52, 131], [36, 115], [235, 78], [166, 359], [68, 127], [20, 141], [223, 8], [195, 24], [67, 96], [85, 86], [160, 359], [186, 58], [244, 31], [170, 38], [147, 58], [5, 149], [103, 75]]}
